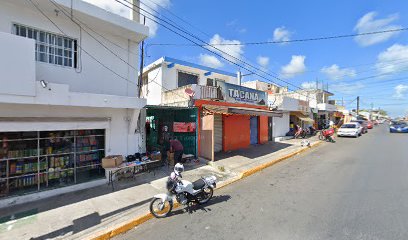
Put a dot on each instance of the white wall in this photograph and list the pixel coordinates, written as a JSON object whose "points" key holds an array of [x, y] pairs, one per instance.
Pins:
{"points": [[118, 138], [166, 79], [152, 91], [281, 125], [17, 66], [93, 77]]}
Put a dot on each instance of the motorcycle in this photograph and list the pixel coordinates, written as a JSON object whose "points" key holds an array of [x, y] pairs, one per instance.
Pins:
{"points": [[312, 131], [327, 135], [185, 192]]}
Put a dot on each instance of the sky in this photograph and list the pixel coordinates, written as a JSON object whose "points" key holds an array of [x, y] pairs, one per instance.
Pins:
{"points": [[374, 67]]}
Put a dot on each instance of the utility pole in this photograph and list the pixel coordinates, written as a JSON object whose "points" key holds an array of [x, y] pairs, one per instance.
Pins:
{"points": [[239, 76], [358, 104], [140, 80], [342, 101]]}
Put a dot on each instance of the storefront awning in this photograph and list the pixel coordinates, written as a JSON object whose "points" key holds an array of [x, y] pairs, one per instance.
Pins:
{"points": [[303, 117], [241, 110]]}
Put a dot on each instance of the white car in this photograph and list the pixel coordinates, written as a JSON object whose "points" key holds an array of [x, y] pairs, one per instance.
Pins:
{"points": [[352, 129]]}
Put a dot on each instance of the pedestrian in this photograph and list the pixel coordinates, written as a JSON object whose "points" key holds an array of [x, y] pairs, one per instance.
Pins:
{"points": [[331, 124], [298, 130], [177, 148]]}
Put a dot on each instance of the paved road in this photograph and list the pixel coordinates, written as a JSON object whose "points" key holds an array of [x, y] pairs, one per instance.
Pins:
{"points": [[353, 189]]}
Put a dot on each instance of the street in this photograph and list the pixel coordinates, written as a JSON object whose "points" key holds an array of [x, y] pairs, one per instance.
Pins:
{"points": [[353, 189]]}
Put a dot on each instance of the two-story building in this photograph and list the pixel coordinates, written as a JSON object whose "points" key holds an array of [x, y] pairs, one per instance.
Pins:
{"points": [[66, 101], [207, 103], [318, 101], [294, 111]]}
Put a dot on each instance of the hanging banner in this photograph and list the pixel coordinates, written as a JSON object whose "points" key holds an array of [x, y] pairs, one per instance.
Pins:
{"points": [[184, 127], [239, 94]]}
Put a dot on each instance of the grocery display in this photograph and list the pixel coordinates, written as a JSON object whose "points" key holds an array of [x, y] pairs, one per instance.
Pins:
{"points": [[34, 161]]}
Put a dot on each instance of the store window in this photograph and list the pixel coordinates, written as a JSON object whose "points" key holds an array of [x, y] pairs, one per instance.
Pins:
{"points": [[49, 47], [35, 161], [185, 79]]}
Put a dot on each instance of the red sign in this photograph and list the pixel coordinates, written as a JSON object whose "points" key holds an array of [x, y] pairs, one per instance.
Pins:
{"points": [[184, 127]]}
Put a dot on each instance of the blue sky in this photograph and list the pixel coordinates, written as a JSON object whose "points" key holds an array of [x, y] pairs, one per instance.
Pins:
{"points": [[374, 67]]}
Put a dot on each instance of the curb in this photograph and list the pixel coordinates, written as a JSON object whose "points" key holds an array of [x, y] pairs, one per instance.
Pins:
{"points": [[144, 218]]}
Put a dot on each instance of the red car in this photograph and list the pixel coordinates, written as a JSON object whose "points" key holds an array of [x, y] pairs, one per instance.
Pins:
{"points": [[370, 125]]}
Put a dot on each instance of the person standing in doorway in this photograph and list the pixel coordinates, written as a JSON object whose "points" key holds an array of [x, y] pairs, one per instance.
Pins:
{"points": [[177, 148]]}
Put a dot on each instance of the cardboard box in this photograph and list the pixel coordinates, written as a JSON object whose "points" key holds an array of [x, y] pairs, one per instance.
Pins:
{"points": [[155, 157], [170, 158], [112, 161]]}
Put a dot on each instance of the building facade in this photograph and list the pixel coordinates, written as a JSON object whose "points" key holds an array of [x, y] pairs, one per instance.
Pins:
{"points": [[222, 105], [66, 101]]}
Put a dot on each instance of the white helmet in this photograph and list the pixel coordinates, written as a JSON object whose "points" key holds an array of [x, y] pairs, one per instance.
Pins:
{"points": [[178, 169]]}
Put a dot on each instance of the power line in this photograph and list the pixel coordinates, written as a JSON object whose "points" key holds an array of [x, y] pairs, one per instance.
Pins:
{"points": [[289, 41], [206, 44], [106, 47]]}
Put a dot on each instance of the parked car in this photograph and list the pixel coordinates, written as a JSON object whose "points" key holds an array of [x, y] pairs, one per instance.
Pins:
{"points": [[353, 129], [370, 125], [363, 124], [399, 127]]}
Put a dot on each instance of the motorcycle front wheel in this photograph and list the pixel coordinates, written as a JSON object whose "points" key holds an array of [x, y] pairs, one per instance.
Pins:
{"points": [[206, 195], [160, 209], [321, 137]]}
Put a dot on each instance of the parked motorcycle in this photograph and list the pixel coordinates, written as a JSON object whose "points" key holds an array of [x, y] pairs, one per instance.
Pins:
{"points": [[312, 131], [327, 135], [185, 192]]}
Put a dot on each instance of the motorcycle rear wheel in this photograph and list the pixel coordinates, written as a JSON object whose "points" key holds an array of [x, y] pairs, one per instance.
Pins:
{"points": [[159, 209], [207, 193]]}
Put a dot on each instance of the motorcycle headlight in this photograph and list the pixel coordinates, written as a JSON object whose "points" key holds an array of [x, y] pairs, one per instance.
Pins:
{"points": [[392, 127]]}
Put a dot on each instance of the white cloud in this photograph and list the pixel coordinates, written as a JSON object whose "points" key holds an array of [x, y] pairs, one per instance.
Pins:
{"points": [[210, 61], [368, 23], [310, 85], [393, 60], [235, 51], [346, 88], [400, 91], [295, 67], [334, 72], [281, 34], [263, 61], [117, 8]]}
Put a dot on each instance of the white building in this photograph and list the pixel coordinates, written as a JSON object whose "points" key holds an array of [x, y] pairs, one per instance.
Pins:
{"points": [[65, 100], [167, 74], [292, 107], [264, 86]]}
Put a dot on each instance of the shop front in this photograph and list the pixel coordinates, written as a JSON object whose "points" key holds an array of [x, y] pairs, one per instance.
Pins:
{"points": [[50, 147], [162, 123], [241, 120], [33, 161]]}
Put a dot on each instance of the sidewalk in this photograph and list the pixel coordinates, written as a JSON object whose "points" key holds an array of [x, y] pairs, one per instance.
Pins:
{"points": [[89, 213]]}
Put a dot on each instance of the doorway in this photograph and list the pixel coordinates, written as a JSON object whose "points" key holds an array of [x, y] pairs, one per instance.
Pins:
{"points": [[254, 130]]}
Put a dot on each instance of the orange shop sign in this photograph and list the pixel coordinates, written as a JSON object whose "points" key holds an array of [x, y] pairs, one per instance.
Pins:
{"points": [[184, 127]]}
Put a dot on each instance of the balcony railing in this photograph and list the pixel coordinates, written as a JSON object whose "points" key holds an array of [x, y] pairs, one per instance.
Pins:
{"points": [[180, 96]]}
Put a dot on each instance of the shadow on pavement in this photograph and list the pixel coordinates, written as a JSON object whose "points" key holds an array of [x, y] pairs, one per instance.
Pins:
{"points": [[254, 151], [204, 207]]}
